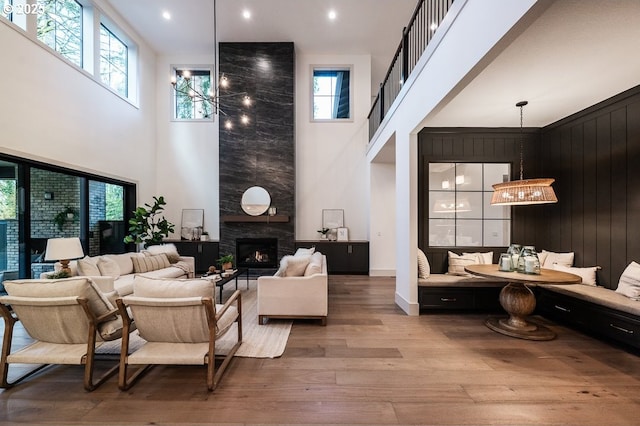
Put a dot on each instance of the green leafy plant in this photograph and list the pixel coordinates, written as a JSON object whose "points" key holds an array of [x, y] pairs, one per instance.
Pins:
{"points": [[323, 231], [226, 260], [68, 214], [148, 226], [58, 275]]}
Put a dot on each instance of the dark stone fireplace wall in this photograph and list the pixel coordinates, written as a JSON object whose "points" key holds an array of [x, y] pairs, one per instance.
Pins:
{"points": [[262, 153]]}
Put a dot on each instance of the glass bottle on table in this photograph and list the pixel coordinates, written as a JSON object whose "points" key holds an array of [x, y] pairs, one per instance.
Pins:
{"points": [[514, 250], [528, 261]]}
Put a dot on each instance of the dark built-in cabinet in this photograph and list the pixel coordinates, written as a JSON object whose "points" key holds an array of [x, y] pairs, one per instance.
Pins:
{"points": [[590, 317], [343, 257], [206, 253], [459, 298]]}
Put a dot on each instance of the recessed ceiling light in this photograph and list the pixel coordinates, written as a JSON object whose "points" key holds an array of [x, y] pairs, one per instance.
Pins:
{"points": [[166, 15], [246, 14], [332, 14]]}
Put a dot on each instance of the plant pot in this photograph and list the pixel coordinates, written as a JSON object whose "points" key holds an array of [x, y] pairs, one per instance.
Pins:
{"points": [[226, 266], [204, 238]]}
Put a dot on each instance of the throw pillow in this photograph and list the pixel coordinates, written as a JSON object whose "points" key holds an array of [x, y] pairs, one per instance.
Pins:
{"points": [[88, 267], [304, 251], [315, 265], [143, 264], [169, 249], [457, 263], [629, 284], [293, 266], [485, 258], [550, 258], [424, 269], [588, 275], [108, 267]]}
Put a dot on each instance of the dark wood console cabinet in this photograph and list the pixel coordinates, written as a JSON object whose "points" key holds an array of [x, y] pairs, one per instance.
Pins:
{"points": [[343, 257], [206, 253], [590, 317]]}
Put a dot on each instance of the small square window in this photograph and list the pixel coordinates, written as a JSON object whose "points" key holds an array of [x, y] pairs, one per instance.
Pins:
{"points": [[331, 94], [188, 82]]}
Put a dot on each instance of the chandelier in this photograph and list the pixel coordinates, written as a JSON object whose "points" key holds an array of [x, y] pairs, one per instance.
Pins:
{"points": [[202, 91], [524, 191]]}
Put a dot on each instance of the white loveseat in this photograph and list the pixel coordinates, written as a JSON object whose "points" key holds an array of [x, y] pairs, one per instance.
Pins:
{"points": [[295, 294], [117, 271]]}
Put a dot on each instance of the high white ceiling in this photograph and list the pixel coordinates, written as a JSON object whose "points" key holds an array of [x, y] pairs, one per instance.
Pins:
{"points": [[361, 26], [569, 55]]}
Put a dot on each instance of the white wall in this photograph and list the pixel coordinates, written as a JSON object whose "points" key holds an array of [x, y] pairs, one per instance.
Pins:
{"points": [[187, 156], [331, 167], [382, 254], [52, 112], [450, 57]]}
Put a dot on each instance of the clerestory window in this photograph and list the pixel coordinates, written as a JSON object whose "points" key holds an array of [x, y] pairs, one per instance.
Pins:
{"points": [[59, 26], [113, 61]]}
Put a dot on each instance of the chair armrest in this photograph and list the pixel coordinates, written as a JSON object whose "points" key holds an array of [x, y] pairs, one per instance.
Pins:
{"points": [[235, 296]]}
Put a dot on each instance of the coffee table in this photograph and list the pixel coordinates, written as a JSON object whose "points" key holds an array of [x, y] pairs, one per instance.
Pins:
{"points": [[224, 280], [519, 301]]}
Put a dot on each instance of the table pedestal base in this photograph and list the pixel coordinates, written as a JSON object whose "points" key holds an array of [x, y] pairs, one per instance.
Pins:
{"points": [[519, 302]]}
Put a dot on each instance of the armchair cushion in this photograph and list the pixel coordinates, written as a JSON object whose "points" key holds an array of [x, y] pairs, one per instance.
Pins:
{"points": [[172, 288], [66, 287]]}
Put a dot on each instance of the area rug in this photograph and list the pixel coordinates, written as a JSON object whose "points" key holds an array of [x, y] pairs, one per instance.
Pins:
{"points": [[258, 341]]}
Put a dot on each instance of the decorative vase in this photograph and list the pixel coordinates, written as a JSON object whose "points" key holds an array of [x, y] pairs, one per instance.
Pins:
{"points": [[226, 266], [204, 238]]}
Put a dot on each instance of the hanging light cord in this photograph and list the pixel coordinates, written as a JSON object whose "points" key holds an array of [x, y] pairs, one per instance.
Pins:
{"points": [[521, 105]]}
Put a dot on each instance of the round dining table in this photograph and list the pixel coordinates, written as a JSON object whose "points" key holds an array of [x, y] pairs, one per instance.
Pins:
{"points": [[519, 301]]}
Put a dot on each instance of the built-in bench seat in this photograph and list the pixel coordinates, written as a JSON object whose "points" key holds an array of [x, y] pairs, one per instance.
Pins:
{"points": [[594, 309], [456, 292]]}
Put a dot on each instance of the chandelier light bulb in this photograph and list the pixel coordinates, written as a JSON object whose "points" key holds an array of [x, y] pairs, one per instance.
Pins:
{"points": [[224, 81], [186, 74], [247, 101], [244, 119], [228, 125]]}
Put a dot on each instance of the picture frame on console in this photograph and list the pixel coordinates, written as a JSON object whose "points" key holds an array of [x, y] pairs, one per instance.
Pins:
{"points": [[343, 234], [332, 218], [192, 224]]}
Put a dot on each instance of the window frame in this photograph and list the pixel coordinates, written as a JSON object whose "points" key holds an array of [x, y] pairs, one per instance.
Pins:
{"points": [[173, 96], [312, 96], [81, 50], [113, 35], [459, 218]]}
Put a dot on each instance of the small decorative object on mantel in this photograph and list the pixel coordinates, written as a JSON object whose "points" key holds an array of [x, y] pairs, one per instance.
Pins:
{"points": [[323, 233], [272, 211]]}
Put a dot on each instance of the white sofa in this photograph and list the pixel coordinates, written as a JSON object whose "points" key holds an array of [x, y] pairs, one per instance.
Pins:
{"points": [[121, 279], [304, 296]]}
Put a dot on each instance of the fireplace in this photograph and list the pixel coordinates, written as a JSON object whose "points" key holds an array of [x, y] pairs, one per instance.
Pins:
{"points": [[257, 252]]}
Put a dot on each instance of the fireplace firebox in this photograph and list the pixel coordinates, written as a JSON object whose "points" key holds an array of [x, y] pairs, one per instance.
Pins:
{"points": [[257, 252]]}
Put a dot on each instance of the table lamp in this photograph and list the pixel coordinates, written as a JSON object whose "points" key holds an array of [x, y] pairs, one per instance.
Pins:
{"points": [[64, 250]]}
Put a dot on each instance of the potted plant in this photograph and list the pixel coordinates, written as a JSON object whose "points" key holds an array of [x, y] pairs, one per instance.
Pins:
{"points": [[226, 262], [148, 226], [68, 214], [204, 236], [323, 233]]}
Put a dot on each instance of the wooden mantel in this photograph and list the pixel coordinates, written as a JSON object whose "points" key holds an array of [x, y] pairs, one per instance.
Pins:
{"points": [[279, 218]]}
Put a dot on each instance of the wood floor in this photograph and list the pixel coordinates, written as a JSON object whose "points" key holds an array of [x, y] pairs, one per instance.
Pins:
{"points": [[370, 365]]}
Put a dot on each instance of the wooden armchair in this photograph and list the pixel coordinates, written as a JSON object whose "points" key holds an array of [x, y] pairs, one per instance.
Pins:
{"points": [[67, 318], [180, 323]]}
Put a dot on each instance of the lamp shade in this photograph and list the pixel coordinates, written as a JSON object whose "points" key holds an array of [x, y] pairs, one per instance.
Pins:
{"points": [[63, 249], [524, 192]]}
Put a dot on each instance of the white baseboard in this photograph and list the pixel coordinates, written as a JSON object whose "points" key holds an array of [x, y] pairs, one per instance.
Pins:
{"points": [[411, 309], [382, 272]]}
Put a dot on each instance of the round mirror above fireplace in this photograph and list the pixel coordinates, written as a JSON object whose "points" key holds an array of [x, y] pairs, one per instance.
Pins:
{"points": [[255, 201]]}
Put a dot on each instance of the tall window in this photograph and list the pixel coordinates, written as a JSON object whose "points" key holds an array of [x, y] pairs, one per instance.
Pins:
{"points": [[331, 94], [60, 28], [8, 199], [186, 107], [460, 210], [113, 61]]}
